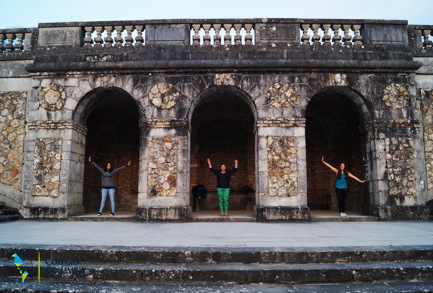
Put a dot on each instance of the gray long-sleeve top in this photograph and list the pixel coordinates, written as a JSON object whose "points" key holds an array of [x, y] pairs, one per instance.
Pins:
{"points": [[108, 177]]}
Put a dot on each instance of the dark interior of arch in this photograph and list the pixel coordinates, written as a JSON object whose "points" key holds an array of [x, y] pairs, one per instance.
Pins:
{"points": [[222, 129], [113, 135], [333, 132]]}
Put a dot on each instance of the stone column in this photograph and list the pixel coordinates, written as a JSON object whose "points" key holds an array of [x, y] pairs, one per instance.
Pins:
{"points": [[282, 172], [163, 193], [53, 170]]}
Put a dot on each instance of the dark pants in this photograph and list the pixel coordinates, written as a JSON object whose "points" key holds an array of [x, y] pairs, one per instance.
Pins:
{"points": [[342, 195]]}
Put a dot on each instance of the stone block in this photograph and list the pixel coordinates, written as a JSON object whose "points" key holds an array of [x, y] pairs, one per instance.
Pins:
{"points": [[60, 36], [385, 34], [283, 214], [268, 33], [168, 34]]}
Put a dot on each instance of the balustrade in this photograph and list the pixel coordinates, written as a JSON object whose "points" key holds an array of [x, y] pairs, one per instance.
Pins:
{"points": [[133, 36], [13, 40], [219, 34], [426, 33], [321, 34]]}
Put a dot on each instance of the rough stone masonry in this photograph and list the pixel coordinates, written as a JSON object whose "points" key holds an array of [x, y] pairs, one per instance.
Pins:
{"points": [[167, 98]]}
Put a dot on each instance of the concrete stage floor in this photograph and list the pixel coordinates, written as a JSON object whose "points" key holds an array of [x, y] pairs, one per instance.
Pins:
{"points": [[226, 234]]}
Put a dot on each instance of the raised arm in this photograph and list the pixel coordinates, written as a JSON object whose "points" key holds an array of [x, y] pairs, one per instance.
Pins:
{"points": [[356, 178], [121, 168], [210, 167], [330, 167], [208, 162], [96, 165]]}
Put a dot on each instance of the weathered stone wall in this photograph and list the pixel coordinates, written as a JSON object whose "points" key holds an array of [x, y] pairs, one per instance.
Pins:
{"points": [[12, 127], [282, 165], [162, 173]]}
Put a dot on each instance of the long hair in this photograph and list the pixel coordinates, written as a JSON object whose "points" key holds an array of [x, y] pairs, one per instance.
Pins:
{"points": [[344, 171], [222, 165], [108, 170]]}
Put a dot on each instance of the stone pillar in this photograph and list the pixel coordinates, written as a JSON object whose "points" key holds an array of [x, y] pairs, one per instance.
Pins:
{"points": [[282, 172], [163, 193], [53, 170]]}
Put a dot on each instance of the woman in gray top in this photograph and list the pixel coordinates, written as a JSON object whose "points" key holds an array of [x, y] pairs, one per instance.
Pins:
{"points": [[108, 183]]}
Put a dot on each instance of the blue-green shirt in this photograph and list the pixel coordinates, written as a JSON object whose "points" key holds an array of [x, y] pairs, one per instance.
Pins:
{"points": [[341, 183]]}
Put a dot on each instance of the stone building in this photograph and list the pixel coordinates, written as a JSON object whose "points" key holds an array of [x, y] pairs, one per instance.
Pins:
{"points": [[276, 94]]}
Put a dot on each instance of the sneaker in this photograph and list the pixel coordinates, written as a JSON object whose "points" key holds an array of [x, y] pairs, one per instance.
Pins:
{"points": [[344, 214], [99, 214], [341, 215], [112, 214]]}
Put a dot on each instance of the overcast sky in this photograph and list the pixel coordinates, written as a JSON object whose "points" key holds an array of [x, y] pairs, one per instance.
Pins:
{"points": [[28, 13]]}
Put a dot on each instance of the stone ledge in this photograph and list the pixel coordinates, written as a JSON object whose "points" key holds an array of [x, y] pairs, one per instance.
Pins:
{"points": [[163, 214], [397, 213], [281, 122], [283, 214], [57, 125]]}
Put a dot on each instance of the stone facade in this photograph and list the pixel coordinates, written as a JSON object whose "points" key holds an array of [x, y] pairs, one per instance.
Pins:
{"points": [[427, 118], [281, 95], [395, 96], [164, 95], [282, 164], [223, 102], [46, 167], [162, 174], [52, 97], [12, 127], [400, 167]]}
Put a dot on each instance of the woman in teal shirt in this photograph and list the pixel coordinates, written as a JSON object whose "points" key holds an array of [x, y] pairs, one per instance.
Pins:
{"points": [[341, 185]]}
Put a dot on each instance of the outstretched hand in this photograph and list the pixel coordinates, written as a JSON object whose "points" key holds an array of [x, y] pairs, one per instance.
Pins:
{"points": [[90, 158], [129, 163], [323, 158], [208, 161], [236, 162]]}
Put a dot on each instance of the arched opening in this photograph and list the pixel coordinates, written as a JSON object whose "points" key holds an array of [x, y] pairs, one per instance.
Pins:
{"points": [[335, 118], [222, 129], [111, 116]]}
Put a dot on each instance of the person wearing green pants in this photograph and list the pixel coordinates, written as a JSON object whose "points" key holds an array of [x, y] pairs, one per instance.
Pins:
{"points": [[223, 185]]}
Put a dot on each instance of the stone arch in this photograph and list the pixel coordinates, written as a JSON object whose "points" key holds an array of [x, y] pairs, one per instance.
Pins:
{"points": [[94, 98], [222, 120], [354, 128], [112, 118], [221, 89]]}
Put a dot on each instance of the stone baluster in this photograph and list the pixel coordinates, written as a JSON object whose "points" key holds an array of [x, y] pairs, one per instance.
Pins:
{"points": [[427, 43], [248, 36], [88, 39], [337, 38], [217, 37], [128, 39], [9, 46], [347, 39], [139, 38], [2, 40], [227, 36], [305, 37], [19, 45], [118, 38], [327, 37], [357, 38], [206, 37], [109, 38], [196, 36], [238, 37], [98, 40], [316, 36]]}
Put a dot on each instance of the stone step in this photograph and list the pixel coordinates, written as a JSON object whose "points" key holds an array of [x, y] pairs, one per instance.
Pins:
{"points": [[67, 286], [237, 273], [9, 212], [103, 218], [2, 206], [8, 218], [222, 255], [232, 219], [344, 219]]}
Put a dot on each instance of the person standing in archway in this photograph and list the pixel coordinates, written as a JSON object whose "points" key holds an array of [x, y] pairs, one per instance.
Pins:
{"points": [[341, 185], [223, 185], [108, 183]]}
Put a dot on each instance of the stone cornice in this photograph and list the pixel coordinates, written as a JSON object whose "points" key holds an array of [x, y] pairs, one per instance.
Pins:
{"points": [[57, 125]]}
